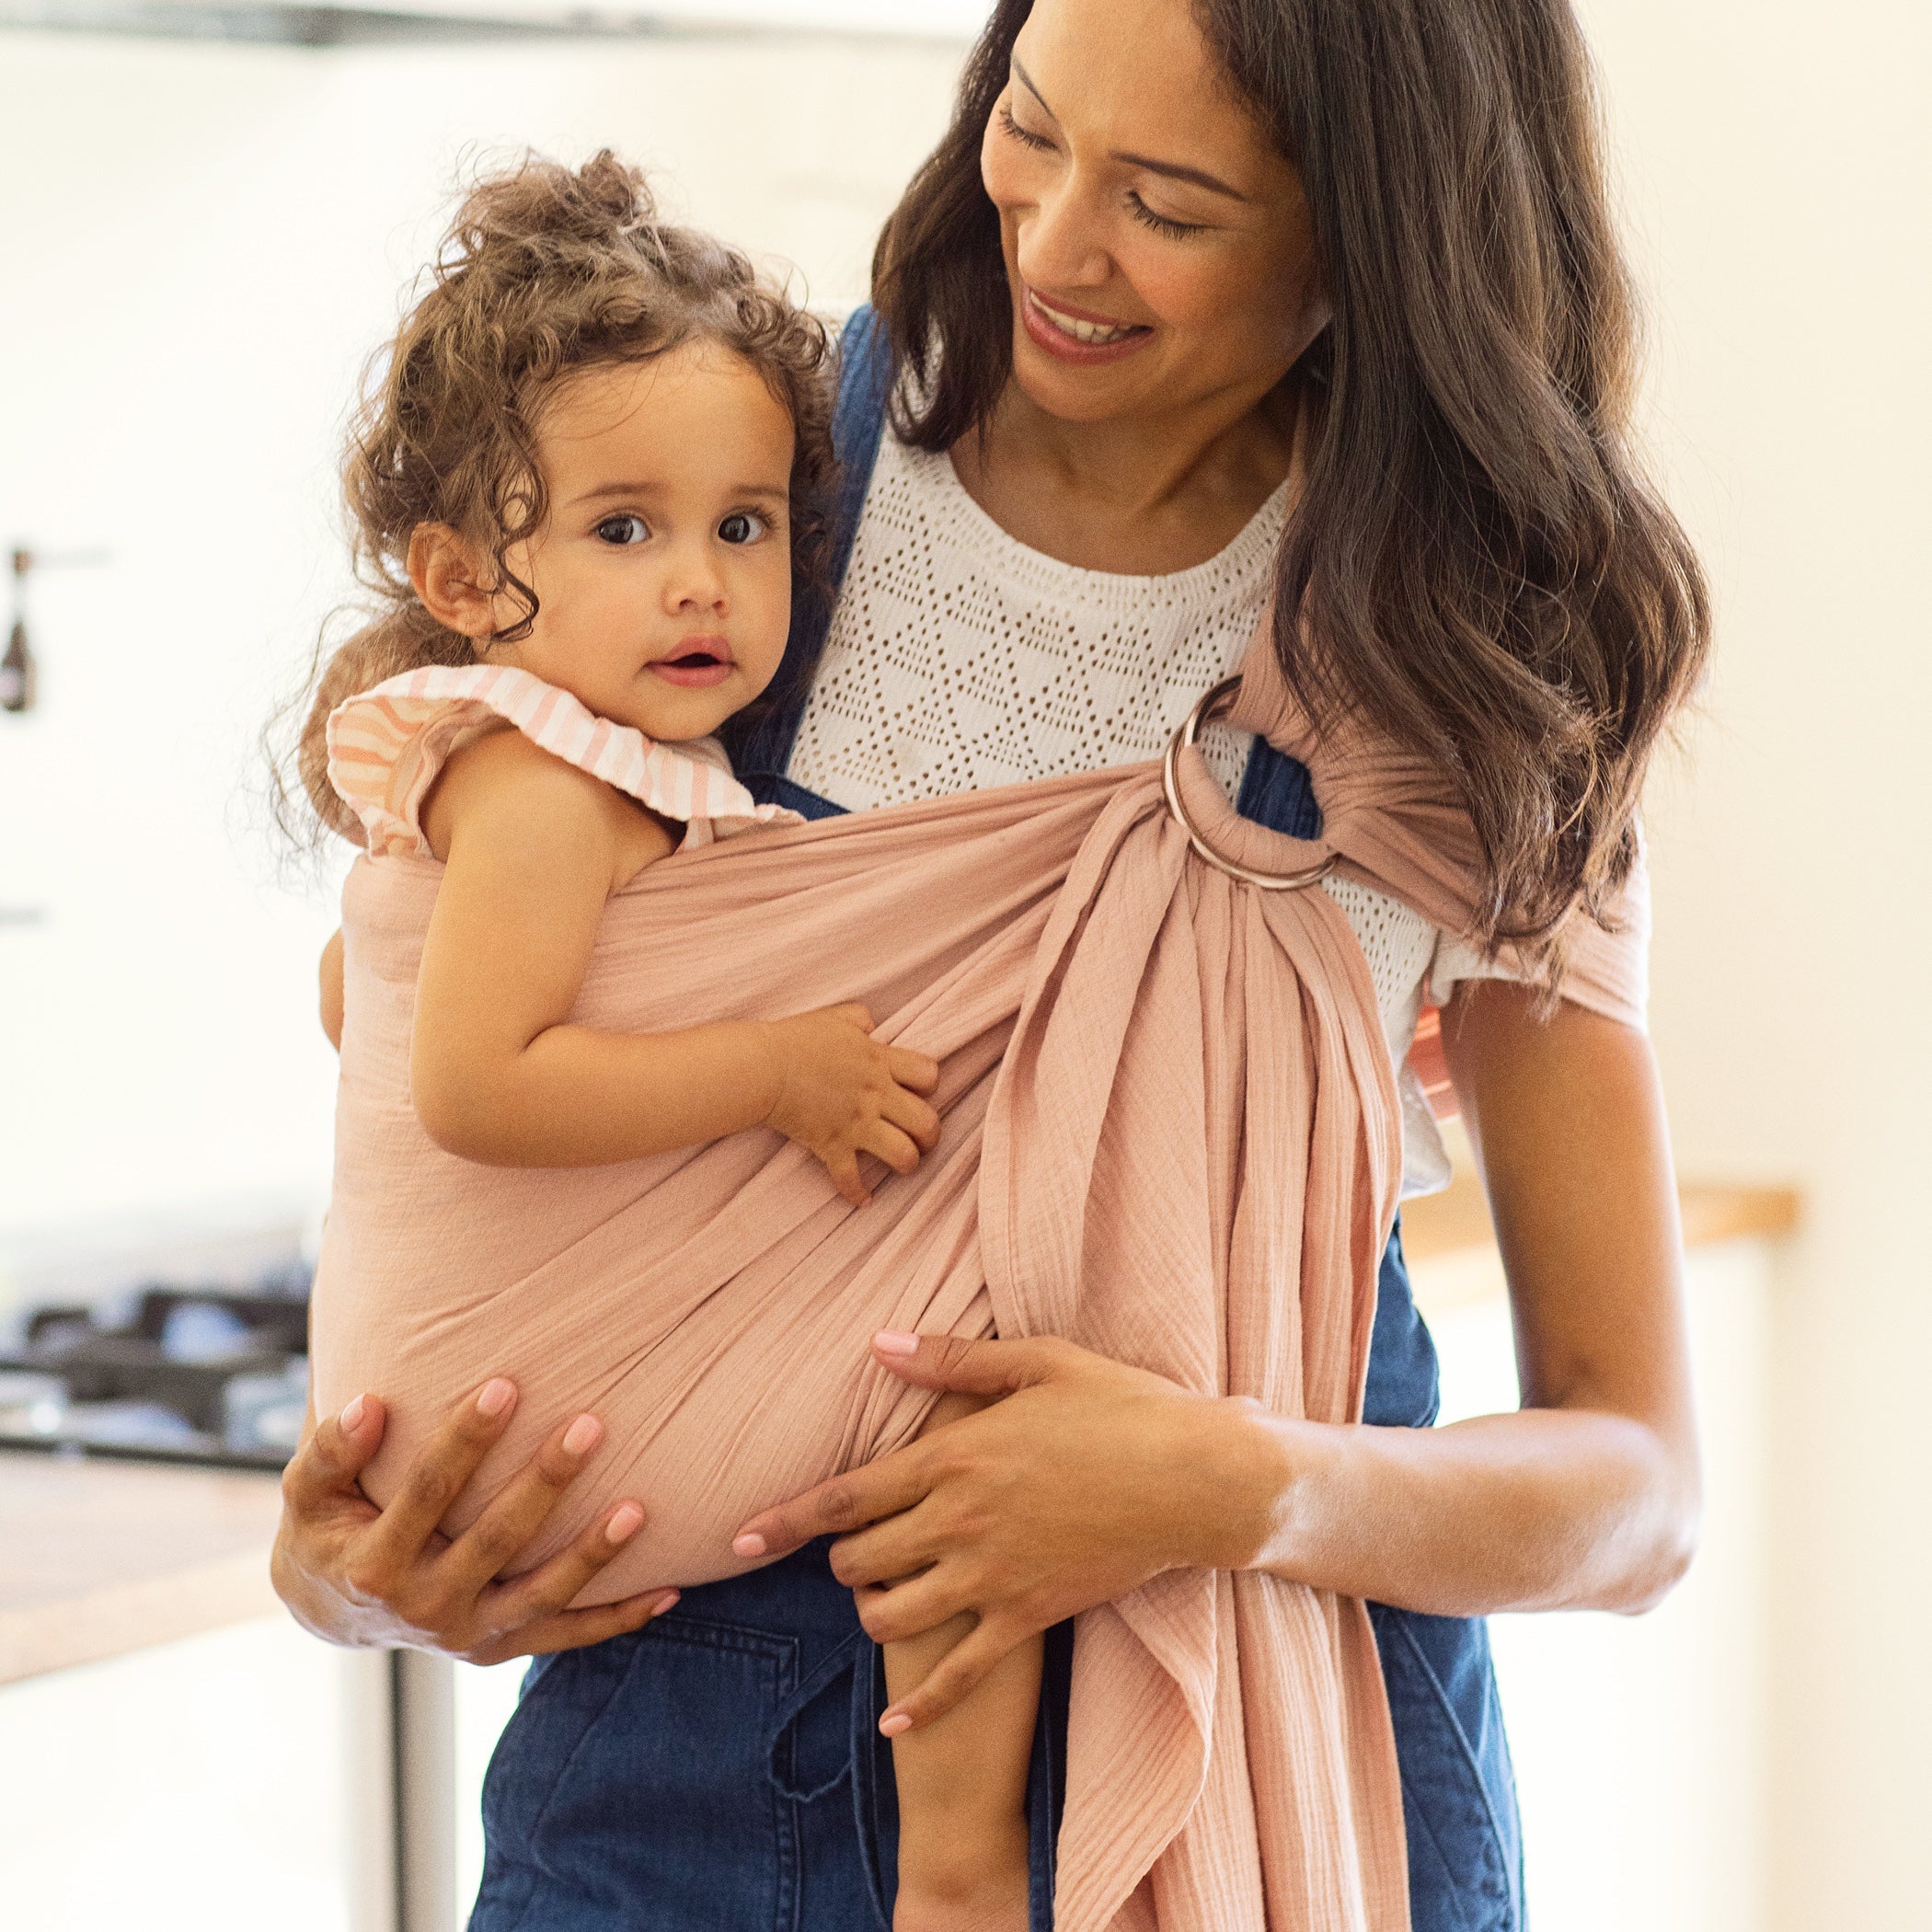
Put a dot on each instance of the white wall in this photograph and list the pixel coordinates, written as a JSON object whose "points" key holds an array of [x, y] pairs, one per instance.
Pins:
{"points": [[214, 1784], [1641, 1743], [1778, 158], [202, 243]]}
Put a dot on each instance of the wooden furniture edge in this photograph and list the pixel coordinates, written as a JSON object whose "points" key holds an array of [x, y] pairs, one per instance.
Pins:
{"points": [[135, 1615], [1451, 1244]]}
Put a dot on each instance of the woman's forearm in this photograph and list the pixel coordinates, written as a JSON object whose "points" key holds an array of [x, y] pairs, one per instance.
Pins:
{"points": [[1544, 1508]]}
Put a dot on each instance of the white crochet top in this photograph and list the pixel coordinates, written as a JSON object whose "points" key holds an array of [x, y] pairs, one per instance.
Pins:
{"points": [[960, 659]]}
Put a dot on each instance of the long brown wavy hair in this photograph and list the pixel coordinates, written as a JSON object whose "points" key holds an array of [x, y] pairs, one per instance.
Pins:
{"points": [[1477, 568], [545, 269]]}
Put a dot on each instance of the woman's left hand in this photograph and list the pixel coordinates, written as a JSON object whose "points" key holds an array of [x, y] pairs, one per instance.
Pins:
{"points": [[1086, 1479]]}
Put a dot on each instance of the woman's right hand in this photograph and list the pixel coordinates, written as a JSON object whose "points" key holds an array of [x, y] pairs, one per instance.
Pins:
{"points": [[841, 1094], [388, 1579]]}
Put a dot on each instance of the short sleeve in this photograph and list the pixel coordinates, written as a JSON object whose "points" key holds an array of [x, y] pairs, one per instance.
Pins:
{"points": [[1607, 965], [387, 745]]}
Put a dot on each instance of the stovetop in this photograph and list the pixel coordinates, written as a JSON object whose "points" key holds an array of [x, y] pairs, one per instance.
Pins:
{"points": [[169, 1373]]}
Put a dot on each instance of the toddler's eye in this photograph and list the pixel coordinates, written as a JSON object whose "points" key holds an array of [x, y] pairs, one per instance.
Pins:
{"points": [[743, 526], [623, 530]]}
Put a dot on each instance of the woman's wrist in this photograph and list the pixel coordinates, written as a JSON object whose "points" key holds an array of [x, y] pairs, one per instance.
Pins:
{"points": [[1261, 1475]]}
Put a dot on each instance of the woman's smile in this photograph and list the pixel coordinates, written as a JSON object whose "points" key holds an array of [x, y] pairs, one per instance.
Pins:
{"points": [[1078, 335]]}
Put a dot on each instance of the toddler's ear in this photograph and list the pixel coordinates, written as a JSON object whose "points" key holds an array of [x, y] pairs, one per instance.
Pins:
{"points": [[452, 579]]}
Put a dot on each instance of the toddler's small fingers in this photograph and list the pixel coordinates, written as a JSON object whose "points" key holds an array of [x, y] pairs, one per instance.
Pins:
{"points": [[920, 1072], [896, 1149], [843, 1171], [855, 1015], [911, 1113]]}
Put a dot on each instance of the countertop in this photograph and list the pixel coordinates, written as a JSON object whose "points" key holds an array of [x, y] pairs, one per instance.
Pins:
{"points": [[101, 1557], [98, 1558]]}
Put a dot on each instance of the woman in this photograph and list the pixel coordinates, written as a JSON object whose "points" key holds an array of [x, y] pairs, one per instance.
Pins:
{"points": [[1174, 271]]}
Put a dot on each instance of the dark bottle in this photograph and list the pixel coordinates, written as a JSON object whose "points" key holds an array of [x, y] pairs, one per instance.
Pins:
{"points": [[16, 667], [17, 672]]}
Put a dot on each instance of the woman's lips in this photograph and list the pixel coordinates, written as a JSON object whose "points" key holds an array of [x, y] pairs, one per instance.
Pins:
{"points": [[1070, 336], [697, 664]]}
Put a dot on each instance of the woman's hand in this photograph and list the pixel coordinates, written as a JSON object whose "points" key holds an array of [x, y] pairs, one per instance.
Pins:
{"points": [[388, 1579], [1086, 1481]]}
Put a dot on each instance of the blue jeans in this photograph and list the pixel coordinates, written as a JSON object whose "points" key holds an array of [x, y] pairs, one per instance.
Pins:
{"points": [[722, 1771]]}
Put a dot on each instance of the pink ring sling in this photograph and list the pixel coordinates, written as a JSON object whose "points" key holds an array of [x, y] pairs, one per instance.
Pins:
{"points": [[1171, 1135]]}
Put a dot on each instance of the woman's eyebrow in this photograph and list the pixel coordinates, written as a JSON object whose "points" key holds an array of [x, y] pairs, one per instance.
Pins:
{"points": [[1025, 81], [1174, 170]]}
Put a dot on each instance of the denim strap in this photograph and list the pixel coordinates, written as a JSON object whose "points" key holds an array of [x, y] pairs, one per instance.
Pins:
{"points": [[836, 1667]]}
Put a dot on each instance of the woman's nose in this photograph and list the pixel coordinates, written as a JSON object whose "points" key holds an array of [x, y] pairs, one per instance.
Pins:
{"points": [[1059, 243]]}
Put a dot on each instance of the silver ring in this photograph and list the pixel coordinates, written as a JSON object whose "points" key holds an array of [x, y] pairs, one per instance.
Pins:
{"points": [[1211, 707]]}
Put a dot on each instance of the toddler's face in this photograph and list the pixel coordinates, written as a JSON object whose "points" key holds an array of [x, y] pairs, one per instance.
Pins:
{"points": [[664, 574]]}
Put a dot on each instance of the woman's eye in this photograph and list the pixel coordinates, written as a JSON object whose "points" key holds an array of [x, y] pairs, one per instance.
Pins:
{"points": [[743, 526], [623, 530], [1161, 224], [1025, 136]]}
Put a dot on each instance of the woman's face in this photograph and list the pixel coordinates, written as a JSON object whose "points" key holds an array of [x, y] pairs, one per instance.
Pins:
{"points": [[1157, 245]]}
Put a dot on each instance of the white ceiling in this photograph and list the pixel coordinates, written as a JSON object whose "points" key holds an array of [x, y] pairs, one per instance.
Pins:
{"points": [[307, 20]]}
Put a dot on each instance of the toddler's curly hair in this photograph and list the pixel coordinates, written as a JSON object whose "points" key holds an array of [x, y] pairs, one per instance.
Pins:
{"points": [[545, 269]]}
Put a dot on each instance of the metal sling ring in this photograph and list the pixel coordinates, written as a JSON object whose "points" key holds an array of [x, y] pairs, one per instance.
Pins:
{"points": [[1211, 707]]}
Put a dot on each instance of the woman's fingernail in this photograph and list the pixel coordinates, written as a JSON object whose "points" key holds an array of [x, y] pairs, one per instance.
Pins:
{"points": [[667, 1602], [893, 1724], [749, 1545], [352, 1413], [581, 1437], [495, 1397], [895, 1341], [623, 1523]]}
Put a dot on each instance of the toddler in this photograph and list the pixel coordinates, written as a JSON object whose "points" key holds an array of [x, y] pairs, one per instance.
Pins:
{"points": [[584, 484]]}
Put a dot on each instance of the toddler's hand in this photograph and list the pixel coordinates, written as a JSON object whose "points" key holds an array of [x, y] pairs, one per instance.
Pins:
{"points": [[842, 1094]]}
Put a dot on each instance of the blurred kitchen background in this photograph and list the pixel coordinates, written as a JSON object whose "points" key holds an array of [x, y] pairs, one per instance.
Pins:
{"points": [[208, 214]]}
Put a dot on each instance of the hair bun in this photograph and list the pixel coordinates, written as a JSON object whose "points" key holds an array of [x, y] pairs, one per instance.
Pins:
{"points": [[616, 190]]}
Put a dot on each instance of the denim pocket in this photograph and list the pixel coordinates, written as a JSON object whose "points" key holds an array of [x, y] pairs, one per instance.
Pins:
{"points": [[633, 1786]]}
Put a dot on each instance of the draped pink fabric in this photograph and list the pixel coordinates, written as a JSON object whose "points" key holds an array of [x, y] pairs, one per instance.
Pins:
{"points": [[1170, 1134]]}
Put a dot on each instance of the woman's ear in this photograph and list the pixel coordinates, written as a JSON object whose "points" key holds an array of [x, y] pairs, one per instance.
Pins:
{"points": [[452, 580]]}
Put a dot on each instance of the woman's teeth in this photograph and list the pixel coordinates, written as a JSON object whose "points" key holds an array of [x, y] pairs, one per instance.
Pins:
{"points": [[1095, 332]]}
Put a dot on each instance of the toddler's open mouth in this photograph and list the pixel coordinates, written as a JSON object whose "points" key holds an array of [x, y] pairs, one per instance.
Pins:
{"points": [[696, 663]]}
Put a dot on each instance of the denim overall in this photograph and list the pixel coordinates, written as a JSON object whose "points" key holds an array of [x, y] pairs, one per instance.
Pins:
{"points": [[722, 1771]]}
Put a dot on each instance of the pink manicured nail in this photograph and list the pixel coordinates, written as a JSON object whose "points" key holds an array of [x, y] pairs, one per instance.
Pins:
{"points": [[352, 1413], [893, 1724], [495, 1397], [749, 1545], [667, 1602], [581, 1437], [895, 1341], [623, 1523]]}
